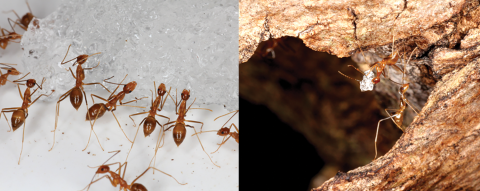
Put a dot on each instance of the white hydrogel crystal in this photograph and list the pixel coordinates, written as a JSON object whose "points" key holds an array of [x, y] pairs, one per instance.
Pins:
{"points": [[366, 84], [185, 44]]}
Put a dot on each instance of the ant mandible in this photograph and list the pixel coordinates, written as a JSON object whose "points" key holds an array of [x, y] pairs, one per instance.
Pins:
{"points": [[21, 113], [116, 180], [99, 109], [76, 92], [150, 121], [398, 114], [224, 131]]}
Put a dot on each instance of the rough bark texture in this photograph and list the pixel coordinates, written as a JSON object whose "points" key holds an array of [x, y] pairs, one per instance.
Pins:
{"points": [[440, 150], [337, 26]]}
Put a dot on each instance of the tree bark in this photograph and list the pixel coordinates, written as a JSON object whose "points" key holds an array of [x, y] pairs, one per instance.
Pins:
{"points": [[440, 149]]}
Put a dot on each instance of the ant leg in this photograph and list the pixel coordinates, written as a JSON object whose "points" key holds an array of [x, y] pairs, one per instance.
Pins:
{"points": [[57, 113], [121, 127], [20, 91], [4, 110], [378, 127], [98, 84], [18, 80], [111, 181], [372, 67], [235, 127], [128, 106], [162, 139], [176, 105], [398, 125], [90, 121], [205, 132], [157, 170], [134, 138], [165, 100], [136, 114], [199, 139], [228, 119], [23, 138], [163, 117], [92, 67], [92, 95], [91, 129], [168, 124], [41, 96], [66, 56], [201, 109], [15, 22], [136, 99], [112, 94], [223, 142]]}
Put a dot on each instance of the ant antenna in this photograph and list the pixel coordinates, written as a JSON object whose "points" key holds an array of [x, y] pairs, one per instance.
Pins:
{"points": [[28, 7], [86, 58], [113, 82], [66, 55], [118, 151]]}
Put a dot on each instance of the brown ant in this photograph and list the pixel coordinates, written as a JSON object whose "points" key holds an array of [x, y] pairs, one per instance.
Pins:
{"points": [[99, 109], [76, 92], [397, 116], [8, 36], [224, 131], [150, 121], [25, 20], [380, 66], [116, 180], [21, 113], [179, 131], [272, 44], [10, 71]]}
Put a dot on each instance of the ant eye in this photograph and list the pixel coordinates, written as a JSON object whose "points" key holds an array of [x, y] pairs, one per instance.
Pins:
{"points": [[130, 92]]}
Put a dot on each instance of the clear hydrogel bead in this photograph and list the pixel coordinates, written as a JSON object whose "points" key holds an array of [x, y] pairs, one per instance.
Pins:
{"points": [[366, 84], [184, 44]]}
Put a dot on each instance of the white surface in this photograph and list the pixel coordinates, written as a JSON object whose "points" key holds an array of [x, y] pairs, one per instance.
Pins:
{"points": [[65, 167]]}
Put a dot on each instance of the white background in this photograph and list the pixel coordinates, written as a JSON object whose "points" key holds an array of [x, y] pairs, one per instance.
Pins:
{"points": [[65, 167]]}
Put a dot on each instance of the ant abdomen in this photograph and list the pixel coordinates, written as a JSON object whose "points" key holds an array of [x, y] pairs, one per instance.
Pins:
{"points": [[96, 111], [76, 97], [18, 117], [179, 132], [149, 125], [138, 187]]}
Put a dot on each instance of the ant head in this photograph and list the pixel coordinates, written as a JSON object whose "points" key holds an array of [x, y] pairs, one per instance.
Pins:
{"points": [[103, 169], [161, 89], [27, 18], [13, 71], [223, 131], [129, 87], [82, 59], [31, 82], [403, 89], [376, 80], [185, 94]]}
